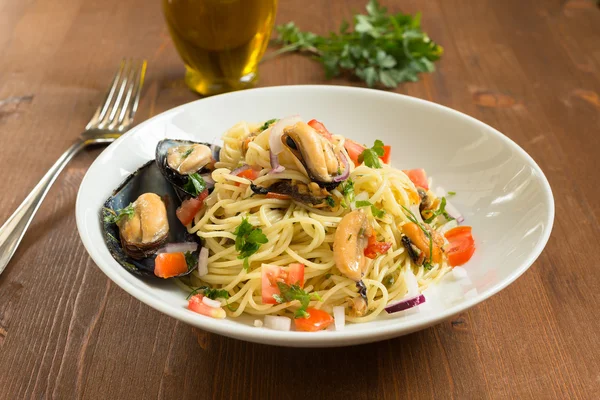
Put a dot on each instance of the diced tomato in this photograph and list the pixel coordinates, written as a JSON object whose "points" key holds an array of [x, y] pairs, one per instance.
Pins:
{"points": [[197, 305], [190, 207], [462, 245], [249, 173], [319, 127], [278, 196], [167, 265], [374, 247], [418, 177], [354, 150], [317, 321], [271, 274], [387, 152]]}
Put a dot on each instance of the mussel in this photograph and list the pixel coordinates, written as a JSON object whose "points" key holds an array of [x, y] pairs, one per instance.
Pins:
{"points": [[147, 204], [311, 194], [178, 160], [316, 154]]}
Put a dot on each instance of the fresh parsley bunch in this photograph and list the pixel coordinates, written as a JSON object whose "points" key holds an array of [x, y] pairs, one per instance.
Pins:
{"points": [[381, 49]]}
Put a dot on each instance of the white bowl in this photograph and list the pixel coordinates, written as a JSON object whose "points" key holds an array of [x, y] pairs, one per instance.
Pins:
{"points": [[501, 191]]}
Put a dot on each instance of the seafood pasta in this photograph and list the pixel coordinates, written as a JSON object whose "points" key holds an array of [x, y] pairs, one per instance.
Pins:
{"points": [[289, 222]]}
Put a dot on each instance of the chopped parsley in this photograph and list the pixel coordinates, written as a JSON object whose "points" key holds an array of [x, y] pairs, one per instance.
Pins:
{"points": [[450, 194], [211, 293], [187, 153], [330, 201], [347, 190], [190, 260], [349, 237], [295, 292], [376, 211], [115, 216], [371, 156], [440, 211], [267, 124], [195, 184], [413, 219], [248, 240], [327, 276]]}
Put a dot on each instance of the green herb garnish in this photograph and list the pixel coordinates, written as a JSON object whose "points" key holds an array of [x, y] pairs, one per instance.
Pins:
{"points": [[450, 194], [190, 260], [195, 184], [440, 211], [267, 124], [371, 156], [248, 240], [211, 293], [330, 201], [295, 292], [382, 48], [376, 211], [327, 276], [347, 190], [187, 153], [115, 216]]}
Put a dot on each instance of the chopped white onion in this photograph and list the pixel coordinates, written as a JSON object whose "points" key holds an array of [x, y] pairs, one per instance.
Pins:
{"points": [[339, 317], [178, 248], [411, 284], [211, 303], [278, 323], [450, 209], [203, 262], [471, 293], [258, 323], [275, 143], [447, 226], [459, 273]]}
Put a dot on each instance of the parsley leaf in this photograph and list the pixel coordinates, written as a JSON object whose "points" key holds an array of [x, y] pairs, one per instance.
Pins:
{"points": [[383, 49], [195, 184], [114, 217], [211, 293], [450, 194], [295, 292], [347, 190], [190, 260], [187, 153], [248, 240], [376, 211], [371, 156], [330, 201], [440, 211], [267, 124]]}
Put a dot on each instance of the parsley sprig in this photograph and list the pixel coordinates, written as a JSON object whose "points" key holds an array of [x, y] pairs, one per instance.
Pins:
{"points": [[428, 263], [209, 292], [114, 217], [347, 190], [378, 213], [195, 184], [382, 48], [248, 240], [440, 211], [371, 156], [295, 292], [267, 124]]}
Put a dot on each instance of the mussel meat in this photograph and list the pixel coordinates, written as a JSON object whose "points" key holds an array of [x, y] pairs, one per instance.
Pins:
{"points": [[311, 194], [316, 154], [147, 203], [349, 243], [179, 159]]}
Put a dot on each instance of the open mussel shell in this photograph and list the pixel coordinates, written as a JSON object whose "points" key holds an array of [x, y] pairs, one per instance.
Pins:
{"points": [[177, 179], [147, 179]]}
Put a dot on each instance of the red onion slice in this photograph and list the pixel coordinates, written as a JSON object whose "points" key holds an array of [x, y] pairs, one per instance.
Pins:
{"points": [[346, 172], [277, 131], [203, 262], [178, 248], [275, 166], [405, 304]]}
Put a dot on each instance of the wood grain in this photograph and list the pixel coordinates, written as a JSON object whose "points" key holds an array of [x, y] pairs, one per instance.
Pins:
{"points": [[531, 69]]}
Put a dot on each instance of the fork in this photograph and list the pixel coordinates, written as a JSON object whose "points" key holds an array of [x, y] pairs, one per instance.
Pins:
{"points": [[112, 118]]}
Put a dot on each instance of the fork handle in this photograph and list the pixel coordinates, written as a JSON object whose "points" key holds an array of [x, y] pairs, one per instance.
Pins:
{"points": [[13, 230]]}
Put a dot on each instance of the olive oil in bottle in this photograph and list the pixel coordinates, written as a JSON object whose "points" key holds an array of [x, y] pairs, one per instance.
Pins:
{"points": [[220, 41]]}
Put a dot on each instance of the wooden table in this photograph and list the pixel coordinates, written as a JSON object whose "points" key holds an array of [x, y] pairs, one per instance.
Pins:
{"points": [[529, 68]]}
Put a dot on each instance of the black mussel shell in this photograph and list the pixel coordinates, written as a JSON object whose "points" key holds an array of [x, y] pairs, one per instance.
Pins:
{"points": [[175, 178], [147, 179]]}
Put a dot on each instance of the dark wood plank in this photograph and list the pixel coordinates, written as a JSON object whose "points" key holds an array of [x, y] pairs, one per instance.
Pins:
{"points": [[530, 69]]}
